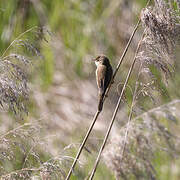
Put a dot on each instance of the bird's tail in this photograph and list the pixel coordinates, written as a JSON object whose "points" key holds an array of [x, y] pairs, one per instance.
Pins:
{"points": [[100, 104]]}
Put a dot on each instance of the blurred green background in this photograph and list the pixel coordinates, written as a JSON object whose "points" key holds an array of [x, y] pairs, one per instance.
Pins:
{"points": [[63, 91]]}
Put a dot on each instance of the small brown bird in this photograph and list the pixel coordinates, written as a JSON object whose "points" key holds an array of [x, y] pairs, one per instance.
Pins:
{"points": [[104, 74]]}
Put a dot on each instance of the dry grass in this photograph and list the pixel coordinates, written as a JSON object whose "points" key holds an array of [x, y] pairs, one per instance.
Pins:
{"points": [[66, 104], [132, 154]]}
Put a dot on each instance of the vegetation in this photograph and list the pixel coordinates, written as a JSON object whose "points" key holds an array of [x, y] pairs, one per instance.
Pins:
{"points": [[48, 92]]}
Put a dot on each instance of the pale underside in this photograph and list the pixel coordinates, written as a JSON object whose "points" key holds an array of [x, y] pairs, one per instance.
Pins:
{"points": [[100, 77]]}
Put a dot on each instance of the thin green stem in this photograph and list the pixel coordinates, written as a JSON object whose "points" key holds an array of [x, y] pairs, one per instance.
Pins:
{"points": [[17, 39], [132, 104], [82, 145]]}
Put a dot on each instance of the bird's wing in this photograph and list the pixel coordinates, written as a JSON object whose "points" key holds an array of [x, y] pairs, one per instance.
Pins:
{"points": [[100, 77]]}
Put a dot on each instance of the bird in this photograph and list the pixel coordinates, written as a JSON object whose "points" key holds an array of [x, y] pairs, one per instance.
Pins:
{"points": [[104, 74]]}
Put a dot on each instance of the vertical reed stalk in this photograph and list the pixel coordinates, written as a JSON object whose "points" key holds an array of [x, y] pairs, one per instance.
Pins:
{"points": [[97, 113]]}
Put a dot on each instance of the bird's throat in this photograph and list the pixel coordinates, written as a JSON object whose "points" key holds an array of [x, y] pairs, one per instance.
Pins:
{"points": [[97, 63]]}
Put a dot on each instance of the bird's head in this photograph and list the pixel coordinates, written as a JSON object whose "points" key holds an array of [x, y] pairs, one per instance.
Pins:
{"points": [[101, 59]]}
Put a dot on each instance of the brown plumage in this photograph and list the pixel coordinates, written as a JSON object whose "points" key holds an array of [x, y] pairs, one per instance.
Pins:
{"points": [[104, 74]]}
